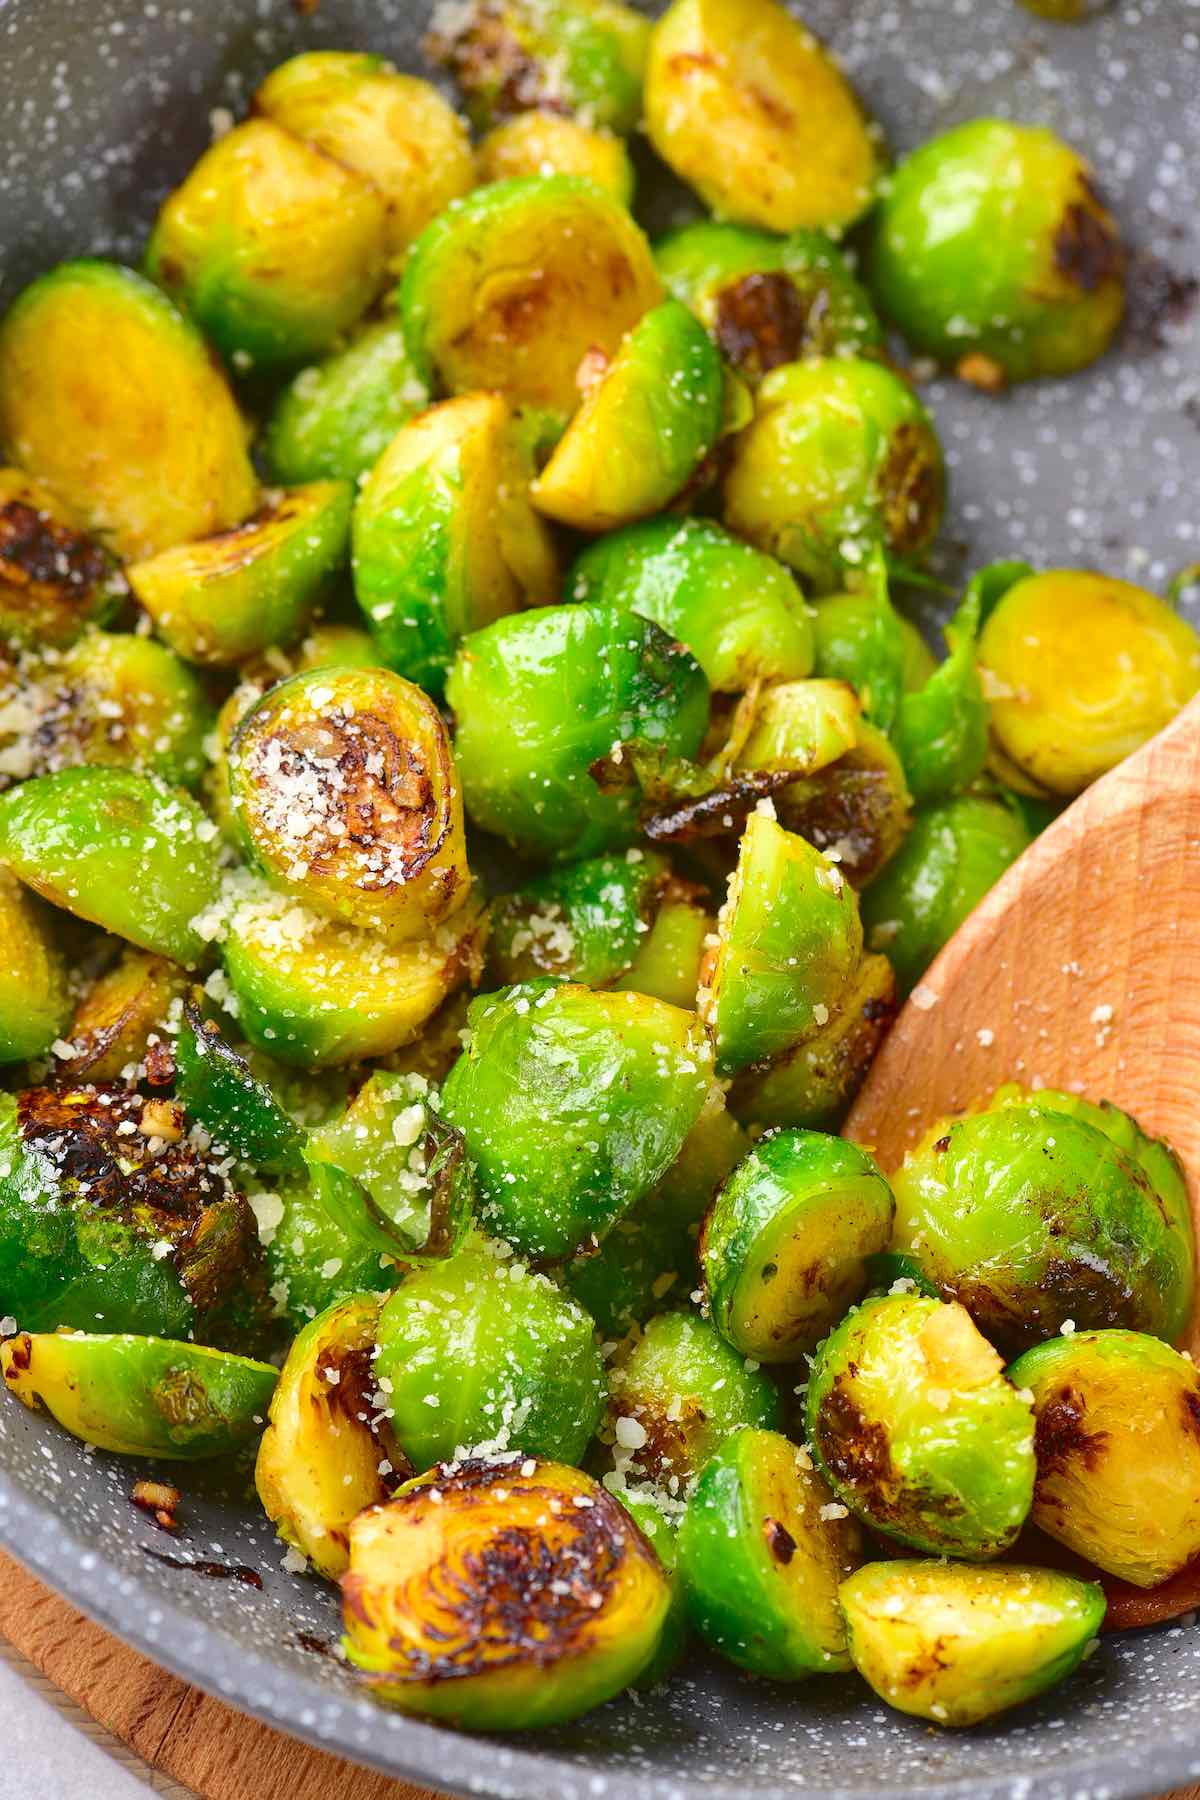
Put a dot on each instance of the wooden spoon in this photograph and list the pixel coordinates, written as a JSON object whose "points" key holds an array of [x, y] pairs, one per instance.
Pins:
{"points": [[1080, 970]]}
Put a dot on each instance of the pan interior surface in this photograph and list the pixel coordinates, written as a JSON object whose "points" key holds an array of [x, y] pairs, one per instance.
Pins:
{"points": [[103, 106]]}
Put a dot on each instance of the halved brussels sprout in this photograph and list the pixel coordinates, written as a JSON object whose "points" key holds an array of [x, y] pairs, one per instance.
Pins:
{"points": [[801, 726], [392, 1173], [739, 612], [480, 1355], [768, 300], [618, 920], [676, 1394], [228, 597], [500, 1596], [746, 105], [123, 850], [917, 1430], [34, 999], [579, 57], [784, 1247], [121, 1022], [273, 247], [573, 684], [558, 1160], [317, 993], [762, 1549], [515, 284], [644, 427], [994, 252], [337, 417], [812, 1084], [216, 1088], [310, 1263], [841, 456], [394, 130], [143, 465], [789, 944], [1063, 718], [343, 793], [55, 580], [958, 1645], [953, 855], [652, 1522], [546, 143], [109, 1218], [942, 726], [119, 700], [1118, 1449], [141, 1396], [324, 1456], [1032, 1217], [445, 539]]}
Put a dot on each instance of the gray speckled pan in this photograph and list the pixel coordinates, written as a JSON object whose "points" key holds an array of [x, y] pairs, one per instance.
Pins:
{"points": [[103, 104]]}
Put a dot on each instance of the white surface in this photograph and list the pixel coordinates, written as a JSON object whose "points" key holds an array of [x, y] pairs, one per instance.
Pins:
{"points": [[53, 1751]]}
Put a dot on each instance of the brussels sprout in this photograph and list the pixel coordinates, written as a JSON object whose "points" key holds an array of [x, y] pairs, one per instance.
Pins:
{"points": [[228, 597], [141, 1396], [34, 1001], [1118, 1449], [318, 994], [993, 250], [395, 130], [667, 966], [445, 539], [143, 465], [392, 1173], [916, 1429], [958, 1645], [676, 1394], [784, 1244], [273, 247], [216, 1088], [647, 1261], [121, 1023], [596, 922], [643, 430], [120, 849], [812, 1084], [789, 944], [1033, 1218], [650, 1519], [479, 1355], [322, 1457], [942, 727], [109, 1217], [570, 683], [557, 1158], [1064, 718], [515, 284], [858, 637], [55, 580], [746, 105], [500, 1596], [768, 300], [311, 1265], [841, 456], [581, 57], [546, 143], [118, 700], [336, 418], [762, 1549], [740, 613], [343, 793], [850, 798], [953, 855], [438, 1047]]}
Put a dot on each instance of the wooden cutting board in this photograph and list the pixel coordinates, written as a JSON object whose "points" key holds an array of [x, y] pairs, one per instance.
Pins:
{"points": [[217, 1753]]}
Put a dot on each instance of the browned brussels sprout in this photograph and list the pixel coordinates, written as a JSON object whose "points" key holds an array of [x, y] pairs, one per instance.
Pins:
{"points": [[501, 1595], [121, 1023], [54, 579]]}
